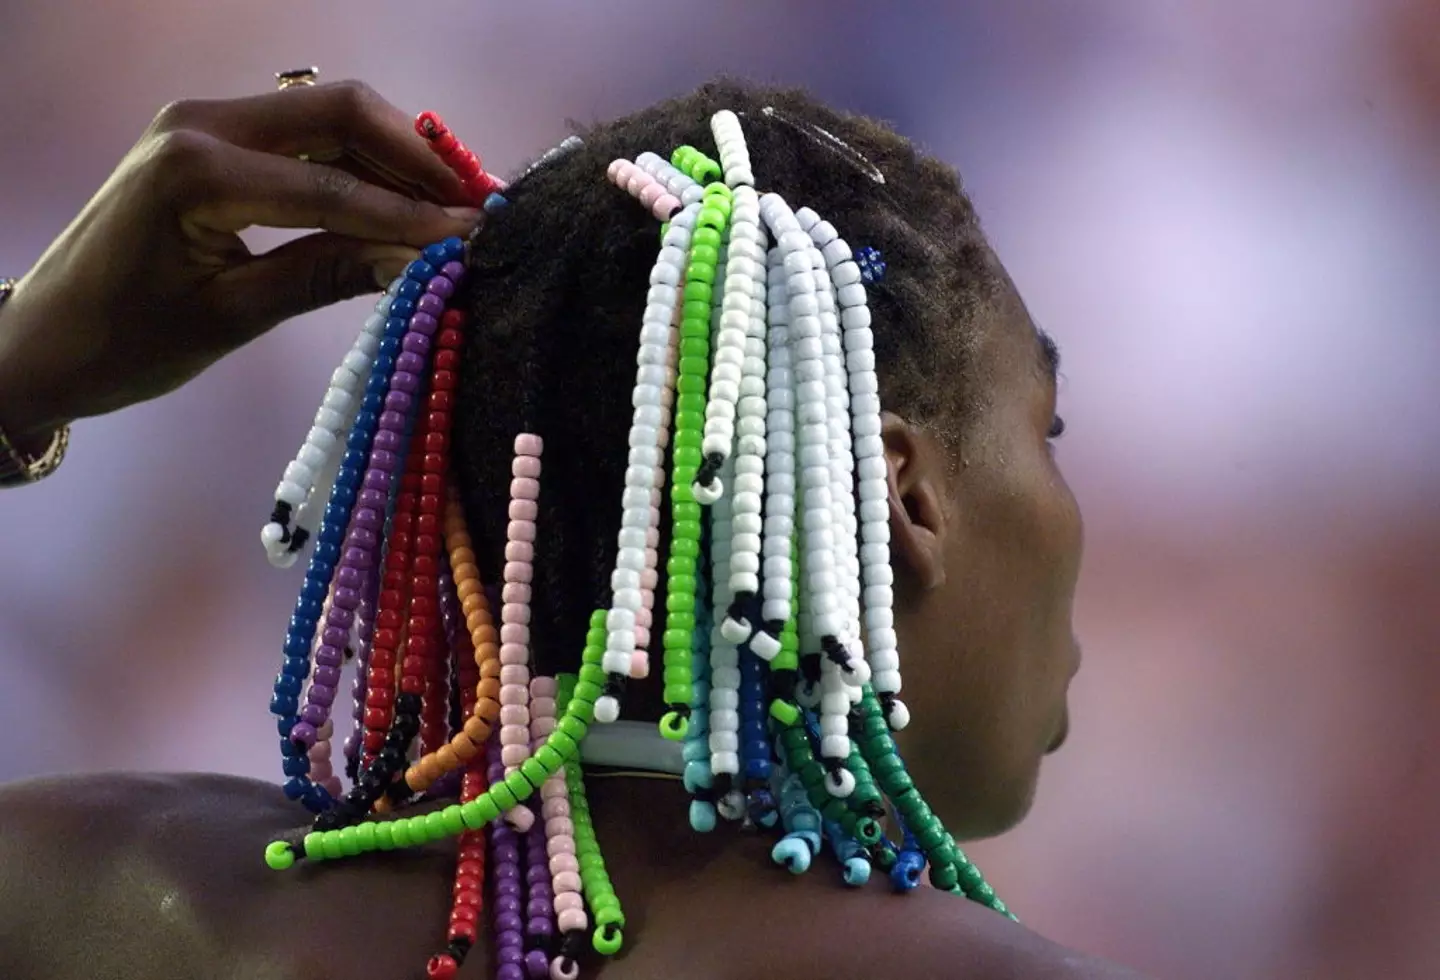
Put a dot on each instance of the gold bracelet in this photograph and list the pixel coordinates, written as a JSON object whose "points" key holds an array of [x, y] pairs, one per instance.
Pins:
{"points": [[17, 468]]}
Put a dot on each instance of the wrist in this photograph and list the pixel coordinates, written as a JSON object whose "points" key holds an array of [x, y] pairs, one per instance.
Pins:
{"points": [[26, 424]]}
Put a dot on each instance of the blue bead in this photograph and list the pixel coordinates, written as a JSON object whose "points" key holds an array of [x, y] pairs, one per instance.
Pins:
{"points": [[336, 513], [312, 589], [753, 730], [316, 799], [905, 875], [342, 495], [329, 553], [295, 788], [286, 723], [496, 202], [702, 816], [757, 768], [420, 271], [792, 852], [296, 765], [284, 705], [296, 644], [287, 685], [302, 625], [409, 290], [435, 254], [296, 667], [310, 608], [289, 749], [454, 248], [354, 459], [332, 535], [399, 319], [324, 570]]}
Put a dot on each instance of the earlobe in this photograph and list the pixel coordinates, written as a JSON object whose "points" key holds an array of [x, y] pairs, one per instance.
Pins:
{"points": [[919, 517]]}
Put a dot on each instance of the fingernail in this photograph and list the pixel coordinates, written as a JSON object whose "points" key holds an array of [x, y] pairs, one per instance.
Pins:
{"points": [[388, 262], [471, 216]]}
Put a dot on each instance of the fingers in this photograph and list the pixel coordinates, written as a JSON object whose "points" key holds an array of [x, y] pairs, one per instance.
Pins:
{"points": [[325, 121], [299, 276], [224, 188]]}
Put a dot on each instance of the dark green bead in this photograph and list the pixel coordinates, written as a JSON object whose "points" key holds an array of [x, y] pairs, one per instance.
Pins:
{"points": [[943, 876]]}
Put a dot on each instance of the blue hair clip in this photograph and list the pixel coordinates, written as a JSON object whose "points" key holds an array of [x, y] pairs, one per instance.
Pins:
{"points": [[872, 266]]}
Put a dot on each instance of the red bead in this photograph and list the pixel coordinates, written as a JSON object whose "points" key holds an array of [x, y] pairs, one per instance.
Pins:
{"points": [[380, 693], [375, 736], [436, 441], [412, 685], [446, 360], [474, 852], [461, 931], [424, 606], [434, 734], [450, 322], [440, 417], [387, 638], [419, 647], [414, 666], [442, 401], [464, 881], [433, 483], [442, 967], [382, 659], [424, 584], [443, 380], [470, 898], [432, 506], [434, 463], [426, 567]]}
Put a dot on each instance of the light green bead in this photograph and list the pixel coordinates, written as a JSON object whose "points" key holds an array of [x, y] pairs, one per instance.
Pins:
{"points": [[279, 855]]}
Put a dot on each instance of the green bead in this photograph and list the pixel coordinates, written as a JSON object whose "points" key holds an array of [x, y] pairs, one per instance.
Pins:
{"points": [[608, 913], [586, 691], [687, 456], [420, 828], [330, 845], [693, 385], [564, 744], [687, 512], [692, 548], [349, 845], [551, 760], [706, 236], [679, 676], [589, 861], [694, 365], [674, 727], [573, 727], [503, 796], [868, 831], [384, 837], [691, 403], [689, 439], [681, 156], [717, 191], [710, 217], [598, 617], [874, 726], [695, 311], [365, 835], [593, 673], [608, 940], [438, 828], [693, 347], [943, 876], [884, 858], [279, 855], [534, 771], [673, 639], [703, 254], [836, 810], [479, 811], [705, 170], [683, 620], [314, 850], [700, 291], [700, 273], [676, 693], [519, 784]]}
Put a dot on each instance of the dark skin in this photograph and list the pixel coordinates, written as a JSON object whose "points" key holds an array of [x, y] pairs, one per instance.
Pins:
{"points": [[156, 877]]}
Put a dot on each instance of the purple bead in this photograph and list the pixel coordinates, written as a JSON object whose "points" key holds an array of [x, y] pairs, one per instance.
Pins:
{"points": [[537, 965], [362, 536], [441, 286], [314, 714], [320, 698], [424, 323], [329, 658], [356, 557], [342, 617], [304, 733], [506, 921], [407, 363], [382, 460], [392, 420], [537, 872], [329, 676], [454, 271], [387, 440], [495, 773], [333, 635], [430, 303], [508, 886], [377, 480], [345, 598], [540, 928], [509, 971], [511, 950], [404, 383], [535, 907], [506, 869], [416, 343]]}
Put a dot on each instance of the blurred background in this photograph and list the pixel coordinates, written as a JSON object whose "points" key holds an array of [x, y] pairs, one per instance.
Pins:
{"points": [[1225, 210]]}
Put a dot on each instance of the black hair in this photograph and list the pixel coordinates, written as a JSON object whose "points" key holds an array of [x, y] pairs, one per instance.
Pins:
{"points": [[558, 284]]}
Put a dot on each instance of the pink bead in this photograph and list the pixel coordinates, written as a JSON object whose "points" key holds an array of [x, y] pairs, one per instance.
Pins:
{"points": [[559, 826], [644, 618], [642, 638], [521, 817], [326, 731], [647, 598], [639, 665], [518, 571], [513, 714], [652, 533], [541, 705], [649, 577], [529, 444], [514, 612], [523, 510], [540, 728], [564, 862], [525, 466], [514, 755], [559, 845], [570, 902], [572, 919], [320, 752], [651, 193], [555, 788], [525, 488], [514, 653], [613, 171], [516, 592], [514, 633], [544, 687], [566, 881], [556, 806], [638, 181], [665, 206], [320, 770], [513, 674], [332, 786], [520, 552]]}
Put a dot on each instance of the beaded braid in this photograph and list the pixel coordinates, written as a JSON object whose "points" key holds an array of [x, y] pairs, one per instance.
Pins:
{"points": [[764, 392]]}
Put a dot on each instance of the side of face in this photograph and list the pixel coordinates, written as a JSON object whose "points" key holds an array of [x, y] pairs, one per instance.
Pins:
{"points": [[987, 552]]}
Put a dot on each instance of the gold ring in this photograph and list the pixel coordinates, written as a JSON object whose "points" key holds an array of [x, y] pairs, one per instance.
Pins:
{"points": [[296, 78]]}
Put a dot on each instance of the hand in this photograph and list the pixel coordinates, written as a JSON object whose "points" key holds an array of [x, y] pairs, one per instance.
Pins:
{"points": [[151, 283]]}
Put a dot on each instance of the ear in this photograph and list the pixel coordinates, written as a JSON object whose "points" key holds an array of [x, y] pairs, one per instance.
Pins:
{"points": [[920, 518]]}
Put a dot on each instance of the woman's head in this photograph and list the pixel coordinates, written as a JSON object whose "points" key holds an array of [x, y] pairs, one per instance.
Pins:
{"points": [[984, 535]]}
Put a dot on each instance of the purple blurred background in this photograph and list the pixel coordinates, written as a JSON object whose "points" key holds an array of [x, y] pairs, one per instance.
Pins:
{"points": [[1227, 212]]}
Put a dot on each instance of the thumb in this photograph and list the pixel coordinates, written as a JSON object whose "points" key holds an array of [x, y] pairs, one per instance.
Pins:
{"points": [[304, 275]]}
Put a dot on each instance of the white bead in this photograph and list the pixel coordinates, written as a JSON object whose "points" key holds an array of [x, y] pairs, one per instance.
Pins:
{"points": [[840, 783], [290, 492], [709, 493], [823, 233], [899, 716], [722, 741], [835, 746], [845, 273], [855, 317], [607, 708]]}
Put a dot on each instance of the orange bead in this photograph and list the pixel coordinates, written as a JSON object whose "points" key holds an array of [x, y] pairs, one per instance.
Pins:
{"points": [[478, 729], [476, 620], [430, 769], [469, 587], [463, 560], [489, 667], [487, 710], [464, 749], [447, 758], [382, 805]]}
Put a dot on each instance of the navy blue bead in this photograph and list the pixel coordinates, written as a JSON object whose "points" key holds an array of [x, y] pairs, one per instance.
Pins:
{"points": [[454, 248], [313, 590], [336, 512], [316, 799], [410, 290], [302, 625], [420, 271], [757, 768], [296, 645], [310, 608], [331, 535], [752, 730], [435, 254], [399, 319], [329, 553], [295, 788], [324, 570], [354, 459], [287, 721], [342, 495], [296, 765], [296, 667], [284, 704], [287, 685], [289, 749]]}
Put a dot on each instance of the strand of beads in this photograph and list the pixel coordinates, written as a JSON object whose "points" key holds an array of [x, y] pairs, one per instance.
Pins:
{"points": [[854, 859], [802, 827], [781, 566], [755, 749], [699, 779], [567, 901], [724, 664], [509, 884], [515, 612], [680, 185], [363, 633], [458, 157], [310, 479]]}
